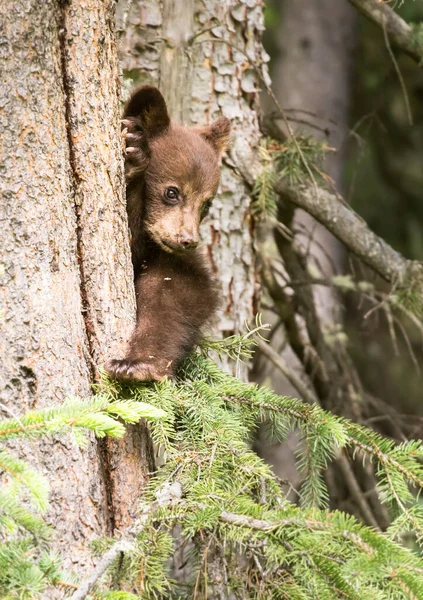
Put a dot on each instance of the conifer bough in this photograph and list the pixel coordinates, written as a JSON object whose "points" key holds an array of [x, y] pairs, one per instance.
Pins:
{"points": [[287, 551], [224, 499]]}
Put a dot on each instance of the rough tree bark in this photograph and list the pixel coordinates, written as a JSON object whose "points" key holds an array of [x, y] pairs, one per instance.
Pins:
{"points": [[67, 292], [92, 86], [203, 56]]}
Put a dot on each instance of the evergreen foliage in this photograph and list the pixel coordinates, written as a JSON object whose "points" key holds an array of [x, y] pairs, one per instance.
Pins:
{"points": [[28, 568], [297, 160], [236, 530]]}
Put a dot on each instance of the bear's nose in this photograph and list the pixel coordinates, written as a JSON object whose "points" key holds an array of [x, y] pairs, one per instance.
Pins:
{"points": [[188, 240]]}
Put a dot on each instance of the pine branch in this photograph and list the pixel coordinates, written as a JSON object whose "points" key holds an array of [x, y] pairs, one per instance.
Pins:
{"points": [[227, 503], [183, 508], [398, 30], [98, 413], [26, 569]]}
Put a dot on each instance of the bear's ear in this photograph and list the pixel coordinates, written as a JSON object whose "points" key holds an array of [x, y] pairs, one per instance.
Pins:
{"points": [[148, 106], [217, 134]]}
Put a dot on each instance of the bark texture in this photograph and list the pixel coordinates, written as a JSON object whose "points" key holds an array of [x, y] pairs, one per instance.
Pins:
{"points": [[92, 86], [93, 113], [204, 57], [66, 283], [44, 350]]}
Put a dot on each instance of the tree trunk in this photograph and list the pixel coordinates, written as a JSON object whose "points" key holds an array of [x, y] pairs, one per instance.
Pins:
{"points": [[203, 58], [312, 81], [312, 74], [92, 84], [67, 291], [311, 78]]}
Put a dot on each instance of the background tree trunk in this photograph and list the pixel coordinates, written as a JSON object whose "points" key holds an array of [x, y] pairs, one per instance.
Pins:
{"points": [[202, 57], [67, 291], [311, 80]]}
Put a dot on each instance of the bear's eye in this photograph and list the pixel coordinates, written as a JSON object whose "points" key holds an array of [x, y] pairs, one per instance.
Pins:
{"points": [[171, 195], [206, 208]]}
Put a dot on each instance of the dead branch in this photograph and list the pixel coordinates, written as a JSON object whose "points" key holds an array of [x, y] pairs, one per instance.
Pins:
{"points": [[288, 373], [166, 495], [345, 224], [356, 492], [108, 558], [398, 30]]}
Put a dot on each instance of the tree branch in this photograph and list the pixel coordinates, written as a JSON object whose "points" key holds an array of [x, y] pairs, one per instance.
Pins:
{"points": [[398, 30], [127, 543], [345, 224], [287, 372], [166, 495], [107, 559]]}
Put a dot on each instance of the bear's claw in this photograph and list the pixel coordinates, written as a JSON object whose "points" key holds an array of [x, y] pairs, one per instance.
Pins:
{"points": [[136, 370]]}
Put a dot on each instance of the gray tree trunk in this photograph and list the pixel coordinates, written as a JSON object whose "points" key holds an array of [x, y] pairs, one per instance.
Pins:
{"points": [[203, 56], [311, 77], [66, 284], [312, 81]]}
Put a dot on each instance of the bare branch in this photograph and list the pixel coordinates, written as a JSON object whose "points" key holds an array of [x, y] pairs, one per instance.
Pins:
{"points": [[357, 492], [108, 558], [287, 372], [398, 30], [166, 494], [345, 224]]}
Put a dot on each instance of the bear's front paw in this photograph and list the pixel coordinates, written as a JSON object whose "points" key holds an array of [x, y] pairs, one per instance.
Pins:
{"points": [[137, 370], [132, 136], [135, 148]]}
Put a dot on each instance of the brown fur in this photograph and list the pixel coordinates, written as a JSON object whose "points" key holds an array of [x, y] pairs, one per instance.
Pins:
{"points": [[175, 292]]}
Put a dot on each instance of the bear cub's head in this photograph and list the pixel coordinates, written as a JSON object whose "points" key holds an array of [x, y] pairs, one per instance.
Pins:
{"points": [[172, 171]]}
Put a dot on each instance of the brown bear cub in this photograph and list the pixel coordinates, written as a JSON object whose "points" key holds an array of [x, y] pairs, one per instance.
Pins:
{"points": [[172, 175]]}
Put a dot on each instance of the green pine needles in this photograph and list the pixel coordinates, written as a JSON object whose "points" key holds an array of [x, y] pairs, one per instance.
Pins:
{"points": [[28, 567], [218, 512], [298, 160], [238, 529]]}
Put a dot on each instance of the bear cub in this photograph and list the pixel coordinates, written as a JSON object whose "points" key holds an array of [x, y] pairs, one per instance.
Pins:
{"points": [[172, 174]]}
